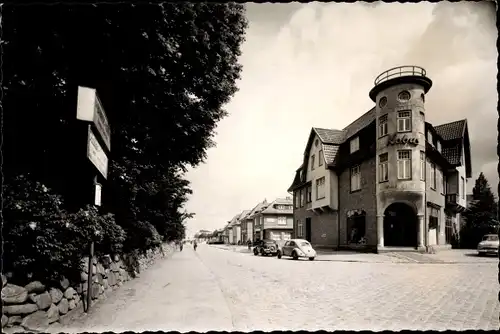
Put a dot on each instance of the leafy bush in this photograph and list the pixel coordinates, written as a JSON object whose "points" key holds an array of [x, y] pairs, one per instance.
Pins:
{"points": [[42, 241]]}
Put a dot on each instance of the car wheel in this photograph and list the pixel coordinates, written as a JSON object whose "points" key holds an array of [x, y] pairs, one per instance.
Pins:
{"points": [[255, 252], [279, 255], [295, 256], [311, 259]]}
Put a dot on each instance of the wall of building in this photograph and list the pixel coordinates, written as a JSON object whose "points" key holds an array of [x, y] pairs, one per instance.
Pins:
{"points": [[271, 221], [364, 199], [249, 224], [437, 197]]}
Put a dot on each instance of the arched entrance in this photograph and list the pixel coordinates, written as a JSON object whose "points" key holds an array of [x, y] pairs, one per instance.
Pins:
{"points": [[400, 225]]}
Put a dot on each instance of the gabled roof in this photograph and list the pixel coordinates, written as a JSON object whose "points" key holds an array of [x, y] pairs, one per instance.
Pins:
{"points": [[329, 136], [359, 124], [234, 220], [269, 209], [330, 153], [244, 214], [453, 130], [257, 209]]}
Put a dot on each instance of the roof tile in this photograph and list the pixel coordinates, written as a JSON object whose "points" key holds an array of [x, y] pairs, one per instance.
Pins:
{"points": [[452, 130]]}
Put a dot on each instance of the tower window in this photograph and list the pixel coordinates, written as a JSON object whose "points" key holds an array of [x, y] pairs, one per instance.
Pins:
{"points": [[404, 165], [383, 165], [382, 126], [382, 102], [404, 96], [404, 121]]}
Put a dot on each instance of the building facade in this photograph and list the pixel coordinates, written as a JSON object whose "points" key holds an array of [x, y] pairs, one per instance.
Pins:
{"points": [[274, 220], [254, 221], [389, 179]]}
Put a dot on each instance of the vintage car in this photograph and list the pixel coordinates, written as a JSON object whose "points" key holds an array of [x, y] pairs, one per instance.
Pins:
{"points": [[266, 247], [297, 248], [489, 245]]}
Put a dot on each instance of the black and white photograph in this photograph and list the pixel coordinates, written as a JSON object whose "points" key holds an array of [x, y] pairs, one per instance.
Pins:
{"points": [[222, 166]]}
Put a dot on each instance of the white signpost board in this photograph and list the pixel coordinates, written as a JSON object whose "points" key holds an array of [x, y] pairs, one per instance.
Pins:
{"points": [[89, 109], [97, 198], [96, 154]]}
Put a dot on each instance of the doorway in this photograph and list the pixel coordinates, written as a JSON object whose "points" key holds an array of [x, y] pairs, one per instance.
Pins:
{"points": [[400, 226], [308, 229]]}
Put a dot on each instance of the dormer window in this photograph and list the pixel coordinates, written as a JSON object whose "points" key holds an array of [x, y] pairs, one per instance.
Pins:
{"points": [[312, 162], [429, 138], [439, 146], [354, 144], [320, 158]]}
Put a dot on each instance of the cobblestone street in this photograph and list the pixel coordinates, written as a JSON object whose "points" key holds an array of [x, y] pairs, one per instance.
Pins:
{"points": [[216, 289]]}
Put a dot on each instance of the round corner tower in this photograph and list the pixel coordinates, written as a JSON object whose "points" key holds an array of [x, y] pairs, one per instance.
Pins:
{"points": [[399, 95]]}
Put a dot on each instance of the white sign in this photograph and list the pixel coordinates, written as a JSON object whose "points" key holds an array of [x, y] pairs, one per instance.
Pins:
{"points": [[96, 154], [97, 199], [89, 108], [323, 235]]}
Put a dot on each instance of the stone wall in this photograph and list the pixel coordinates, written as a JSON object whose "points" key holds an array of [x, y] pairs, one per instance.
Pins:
{"points": [[35, 306]]}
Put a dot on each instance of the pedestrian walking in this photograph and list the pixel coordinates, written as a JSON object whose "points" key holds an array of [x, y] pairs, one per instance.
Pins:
{"points": [[195, 245]]}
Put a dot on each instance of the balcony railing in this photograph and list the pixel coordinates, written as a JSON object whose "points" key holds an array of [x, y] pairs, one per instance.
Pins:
{"points": [[400, 71], [451, 198]]}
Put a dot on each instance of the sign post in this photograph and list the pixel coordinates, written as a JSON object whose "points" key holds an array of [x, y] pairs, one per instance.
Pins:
{"points": [[90, 110]]}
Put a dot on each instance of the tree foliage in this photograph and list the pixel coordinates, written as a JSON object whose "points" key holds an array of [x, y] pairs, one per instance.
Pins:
{"points": [[481, 216], [163, 73]]}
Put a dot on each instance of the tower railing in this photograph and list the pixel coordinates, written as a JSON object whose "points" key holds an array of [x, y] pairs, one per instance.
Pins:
{"points": [[400, 71]]}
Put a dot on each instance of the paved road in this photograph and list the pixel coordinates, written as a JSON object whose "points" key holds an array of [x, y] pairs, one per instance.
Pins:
{"points": [[215, 289]]}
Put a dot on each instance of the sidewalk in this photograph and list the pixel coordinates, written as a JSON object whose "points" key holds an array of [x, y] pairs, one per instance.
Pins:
{"points": [[177, 294], [234, 248]]}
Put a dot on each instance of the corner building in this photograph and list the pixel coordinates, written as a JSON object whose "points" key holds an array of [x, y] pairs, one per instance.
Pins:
{"points": [[389, 179]]}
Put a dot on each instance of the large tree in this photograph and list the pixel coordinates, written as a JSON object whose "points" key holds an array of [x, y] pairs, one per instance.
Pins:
{"points": [[163, 73], [481, 216]]}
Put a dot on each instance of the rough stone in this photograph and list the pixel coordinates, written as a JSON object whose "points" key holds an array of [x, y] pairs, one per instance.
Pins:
{"points": [[36, 321], [85, 264], [14, 294], [85, 287], [105, 283], [84, 276], [119, 283], [95, 279], [15, 320], [72, 304], [77, 298], [100, 269], [94, 269], [69, 293], [35, 287], [100, 278], [101, 289], [5, 320], [95, 290], [43, 300], [63, 306], [106, 272], [114, 267], [53, 313], [20, 309], [116, 258], [108, 291], [112, 278], [64, 283], [31, 297], [56, 295], [106, 261]]}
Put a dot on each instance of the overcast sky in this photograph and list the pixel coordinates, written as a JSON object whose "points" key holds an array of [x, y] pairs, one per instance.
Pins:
{"points": [[312, 65]]}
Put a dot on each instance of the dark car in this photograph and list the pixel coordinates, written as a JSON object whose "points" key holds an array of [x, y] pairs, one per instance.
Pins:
{"points": [[266, 247]]}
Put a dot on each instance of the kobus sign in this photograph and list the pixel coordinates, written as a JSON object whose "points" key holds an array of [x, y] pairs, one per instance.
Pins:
{"points": [[96, 154], [395, 140], [90, 109]]}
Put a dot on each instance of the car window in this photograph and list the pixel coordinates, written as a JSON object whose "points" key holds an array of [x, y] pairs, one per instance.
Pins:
{"points": [[292, 243], [491, 237], [287, 243], [305, 244]]}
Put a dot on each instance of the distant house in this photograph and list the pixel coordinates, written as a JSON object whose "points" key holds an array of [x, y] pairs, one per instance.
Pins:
{"points": [[275, 220], [253, 220], [232, 229], [246, 227]]}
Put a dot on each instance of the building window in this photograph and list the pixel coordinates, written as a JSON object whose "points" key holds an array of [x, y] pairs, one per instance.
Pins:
{"points": [[404, 121], [355, 178], [281, 220], [301, 200], [354, 144], [422, 165], [433, 175], [297, 200], [438, 145], [404, 165], [462, 186], [309, 194], [356, 227], [433, 218], [320, 188], [312, 162], [429, 138], [382, 126], [300, 228], [383, 167], [404, 96], [448, 231], [382, 102], [320, 158]]}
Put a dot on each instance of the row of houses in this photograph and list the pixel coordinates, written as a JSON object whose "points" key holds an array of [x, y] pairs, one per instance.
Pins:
{"points": [[266, 220], [389, 179]]}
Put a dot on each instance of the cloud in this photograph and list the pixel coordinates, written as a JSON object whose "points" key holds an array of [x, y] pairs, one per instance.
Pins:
{"points": [[313, 65]]}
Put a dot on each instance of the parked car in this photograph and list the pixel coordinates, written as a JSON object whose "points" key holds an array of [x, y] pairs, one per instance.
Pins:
{"points": [[297, 248], [489, 245], [266, 247]]}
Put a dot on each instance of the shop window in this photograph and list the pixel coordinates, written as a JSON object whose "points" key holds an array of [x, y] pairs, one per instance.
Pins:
{"points": [[356, 227]]}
